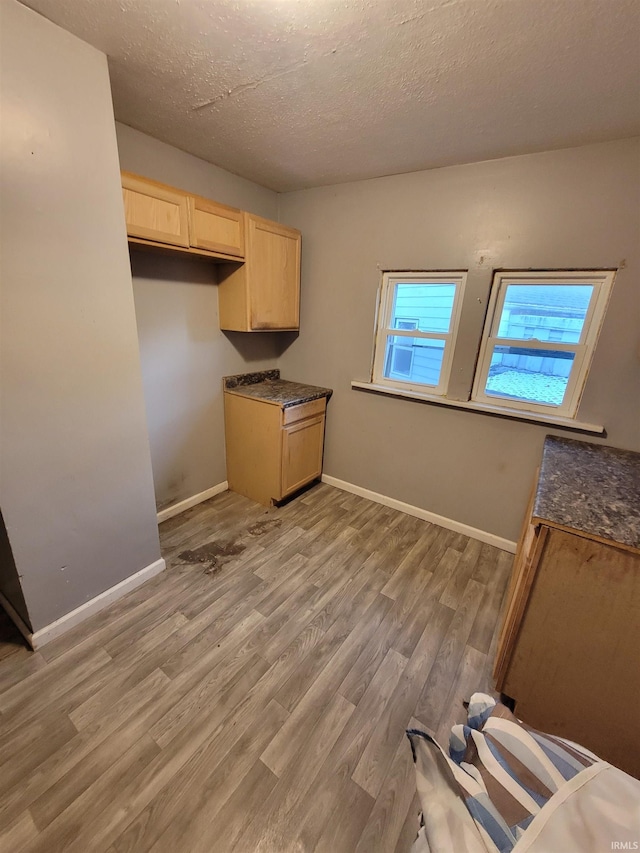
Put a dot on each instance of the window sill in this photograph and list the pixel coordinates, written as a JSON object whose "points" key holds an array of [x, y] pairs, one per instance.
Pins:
{"points": [[483, 408]]}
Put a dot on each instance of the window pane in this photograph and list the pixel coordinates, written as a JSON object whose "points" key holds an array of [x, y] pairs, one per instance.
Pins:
{"points": [[548, 312], [416, 360], [532, 375], [427, 307]]}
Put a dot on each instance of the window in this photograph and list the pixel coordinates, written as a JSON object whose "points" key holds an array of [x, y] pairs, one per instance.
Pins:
{"points": [[538, 340], [535, 350], [417, 323]]}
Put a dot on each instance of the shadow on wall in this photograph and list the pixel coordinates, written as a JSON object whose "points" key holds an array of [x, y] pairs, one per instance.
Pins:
{"points": [[170, 266], [186, 271], [257, 346]]}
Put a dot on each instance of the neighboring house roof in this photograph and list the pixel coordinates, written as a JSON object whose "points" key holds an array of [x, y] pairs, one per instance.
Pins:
{"points": [[575, 298]]}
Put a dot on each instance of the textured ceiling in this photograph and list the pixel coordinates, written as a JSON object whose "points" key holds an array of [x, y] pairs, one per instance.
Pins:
{"points": [[300, 93]]}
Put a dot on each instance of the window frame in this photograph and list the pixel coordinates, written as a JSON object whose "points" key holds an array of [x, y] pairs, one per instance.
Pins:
{"points": [[383, 329], [600, 280]]}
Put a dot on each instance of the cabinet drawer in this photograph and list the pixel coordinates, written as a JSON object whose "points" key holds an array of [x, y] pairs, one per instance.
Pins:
{"points": [[292, 414]]}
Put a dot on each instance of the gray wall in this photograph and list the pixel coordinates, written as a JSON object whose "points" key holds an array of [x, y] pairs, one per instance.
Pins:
{"points": [[77, 489], [183, 352], [571, 208]]}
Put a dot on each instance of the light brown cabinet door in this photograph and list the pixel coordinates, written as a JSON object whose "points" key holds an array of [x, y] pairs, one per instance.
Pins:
{"points": [[273, 255], [154, 212], [301, 453], [215, 227], [573, 669]]}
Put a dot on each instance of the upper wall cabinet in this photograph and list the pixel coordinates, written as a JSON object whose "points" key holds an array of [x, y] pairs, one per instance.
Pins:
{"points": [[155, 212], [214, 227], [260, 290], [264, 293], [159, 215]]}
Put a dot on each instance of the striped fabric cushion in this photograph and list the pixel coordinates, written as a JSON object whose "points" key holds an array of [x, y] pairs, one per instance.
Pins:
{"points": [[504, 770]]}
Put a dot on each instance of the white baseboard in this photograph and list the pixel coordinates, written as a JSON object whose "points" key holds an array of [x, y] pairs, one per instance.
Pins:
{"points": [[418, 512], [187, 503], [39, 638]]}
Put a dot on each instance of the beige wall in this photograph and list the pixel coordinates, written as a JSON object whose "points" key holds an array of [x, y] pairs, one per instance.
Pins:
{"points": [[77, 490], [571, 208], [184, 354]]}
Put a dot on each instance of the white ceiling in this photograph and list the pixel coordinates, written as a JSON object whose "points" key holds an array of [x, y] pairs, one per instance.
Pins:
{"points": [[300, 93]]}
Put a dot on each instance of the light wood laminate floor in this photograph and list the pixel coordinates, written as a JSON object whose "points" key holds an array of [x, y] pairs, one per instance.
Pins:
{"points": [[254, 696]]}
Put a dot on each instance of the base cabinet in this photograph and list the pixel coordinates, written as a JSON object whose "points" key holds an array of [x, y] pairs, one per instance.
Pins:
{"points": [[272, 451], [568, 653]]}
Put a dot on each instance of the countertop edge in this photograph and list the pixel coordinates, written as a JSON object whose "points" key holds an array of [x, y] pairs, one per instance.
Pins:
{"points": [[237, 392], [240, 391]]}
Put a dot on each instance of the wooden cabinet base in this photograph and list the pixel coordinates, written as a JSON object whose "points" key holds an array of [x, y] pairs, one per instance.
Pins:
{"points": [[272, 452], [569, 653]]}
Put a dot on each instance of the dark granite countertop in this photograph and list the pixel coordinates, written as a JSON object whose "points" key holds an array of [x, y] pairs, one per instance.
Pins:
{"points": [[591, 488], [267, 385]]}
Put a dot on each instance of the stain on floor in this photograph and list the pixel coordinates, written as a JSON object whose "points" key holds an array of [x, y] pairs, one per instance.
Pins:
{"points": [[259, 528], [217, 553], [213, 555]]}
